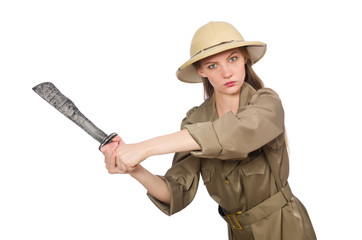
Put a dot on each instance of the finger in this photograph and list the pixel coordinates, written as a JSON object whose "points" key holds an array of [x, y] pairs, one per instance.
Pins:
{"points": [[107, 151], [109, 147], [114, 170], [107, 159], [121, 167], [112, 166], [117, 139], [117, 171], [120, 164], [131, 169], [112, 160]]}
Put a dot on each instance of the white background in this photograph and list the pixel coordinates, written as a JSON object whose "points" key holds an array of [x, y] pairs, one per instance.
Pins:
{"points": [[117, 61]]}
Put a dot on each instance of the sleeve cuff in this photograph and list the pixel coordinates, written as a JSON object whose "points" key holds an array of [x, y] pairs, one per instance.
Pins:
{"points": [[204, 134], [176, 199]]}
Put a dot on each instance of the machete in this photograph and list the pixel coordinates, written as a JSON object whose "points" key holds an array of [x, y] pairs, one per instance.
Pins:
{"points": [[54, 97]]}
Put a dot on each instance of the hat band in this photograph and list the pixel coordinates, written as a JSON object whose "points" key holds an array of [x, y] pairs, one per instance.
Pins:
{"points": [[212, 47]]}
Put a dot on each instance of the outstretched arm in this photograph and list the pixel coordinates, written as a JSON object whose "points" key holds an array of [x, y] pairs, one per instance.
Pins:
{"points": [[125, 158], [130, 155]]}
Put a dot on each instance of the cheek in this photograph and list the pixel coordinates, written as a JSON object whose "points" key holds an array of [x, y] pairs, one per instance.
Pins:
{"points": [[243, 74], [215, 79], [205, 73], [211, 81]]}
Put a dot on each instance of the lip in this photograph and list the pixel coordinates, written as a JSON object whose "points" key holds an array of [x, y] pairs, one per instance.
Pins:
{"points": [[230, 84]]}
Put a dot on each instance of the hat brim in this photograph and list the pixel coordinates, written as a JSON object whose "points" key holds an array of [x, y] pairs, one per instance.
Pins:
{"points": [[188, 73]]}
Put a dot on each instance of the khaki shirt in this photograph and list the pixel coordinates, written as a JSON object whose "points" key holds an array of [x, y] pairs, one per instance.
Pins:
{"points": [[238, 153]]}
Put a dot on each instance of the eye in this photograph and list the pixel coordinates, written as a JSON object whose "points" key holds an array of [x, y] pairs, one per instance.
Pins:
{"points": [[212, 66], [233, 59]]}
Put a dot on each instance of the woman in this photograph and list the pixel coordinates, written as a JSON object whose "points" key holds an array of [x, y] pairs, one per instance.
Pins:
{"points": [[235, 139]]}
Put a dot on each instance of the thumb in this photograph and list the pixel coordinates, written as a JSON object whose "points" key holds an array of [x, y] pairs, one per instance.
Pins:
{"points": [[109, 147], [117, 139]]}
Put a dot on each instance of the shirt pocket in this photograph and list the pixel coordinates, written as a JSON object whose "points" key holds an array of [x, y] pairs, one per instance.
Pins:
{"points": [[255, 166], [206, 175], [256, 180], [208, 169]]}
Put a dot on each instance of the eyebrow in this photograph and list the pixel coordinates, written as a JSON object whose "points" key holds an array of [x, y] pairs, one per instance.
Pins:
{"points": [[231, 54], [211, 62]]}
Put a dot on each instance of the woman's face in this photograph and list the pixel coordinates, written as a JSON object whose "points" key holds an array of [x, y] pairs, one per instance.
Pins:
{"points": [[225, 71]]}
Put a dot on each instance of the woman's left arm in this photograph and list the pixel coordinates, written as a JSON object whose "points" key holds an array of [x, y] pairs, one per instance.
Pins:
{"points": [[128, 156], [234, 136]]}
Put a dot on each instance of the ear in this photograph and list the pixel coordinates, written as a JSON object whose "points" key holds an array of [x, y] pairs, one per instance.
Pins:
{"points": [[201, 72]]}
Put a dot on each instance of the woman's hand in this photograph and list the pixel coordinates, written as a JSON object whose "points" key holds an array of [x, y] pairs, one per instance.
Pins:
{"points": [[124, 158], [128, 156], [110, 155]]}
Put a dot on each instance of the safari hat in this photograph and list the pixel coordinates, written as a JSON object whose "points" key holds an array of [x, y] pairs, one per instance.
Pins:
{"points": [[213, 38]]}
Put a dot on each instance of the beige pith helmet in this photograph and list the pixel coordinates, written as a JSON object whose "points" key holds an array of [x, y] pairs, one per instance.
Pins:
{"points": [[213, 38]]}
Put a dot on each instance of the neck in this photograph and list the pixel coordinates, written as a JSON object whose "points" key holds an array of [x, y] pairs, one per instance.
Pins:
{"points": [[227, 103]]}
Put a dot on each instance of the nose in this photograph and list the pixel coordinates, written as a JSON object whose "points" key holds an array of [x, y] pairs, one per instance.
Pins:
{"points": [[226, 71]]}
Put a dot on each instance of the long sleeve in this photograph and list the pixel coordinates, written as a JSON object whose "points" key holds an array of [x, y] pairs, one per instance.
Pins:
{"points": [[182, 180], [234, 136]]}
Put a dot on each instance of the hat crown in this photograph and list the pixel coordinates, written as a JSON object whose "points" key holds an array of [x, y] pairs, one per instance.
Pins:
{"points": [[212, 34]]}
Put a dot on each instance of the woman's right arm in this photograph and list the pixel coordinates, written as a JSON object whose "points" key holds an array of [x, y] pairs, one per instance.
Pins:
{"points": [[170, 193], [154, 184]]}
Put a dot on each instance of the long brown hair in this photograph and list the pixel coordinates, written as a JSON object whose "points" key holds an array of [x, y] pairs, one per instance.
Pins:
{"points": [[250, 76]]}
